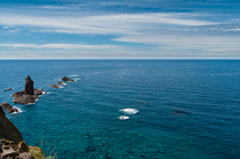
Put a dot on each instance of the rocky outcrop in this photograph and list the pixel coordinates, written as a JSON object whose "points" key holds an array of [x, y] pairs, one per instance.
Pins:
{"points": [[67, 79], [55, 86], [8, 130], [8, 89], [12, 150], [61, 83], [29, 95], [12, 145], [29, 86], [9, 108], [23, 98]]}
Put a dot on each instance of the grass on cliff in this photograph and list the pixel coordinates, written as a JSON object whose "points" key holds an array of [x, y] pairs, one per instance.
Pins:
{"points": [[49, 153]]}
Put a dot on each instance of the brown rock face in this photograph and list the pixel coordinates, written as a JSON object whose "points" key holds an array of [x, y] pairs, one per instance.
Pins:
{"points": [[9, 108], [8, 130], [29, 86]]}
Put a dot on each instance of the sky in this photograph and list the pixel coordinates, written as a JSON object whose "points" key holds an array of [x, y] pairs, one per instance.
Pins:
{"points": [[123, 29]]}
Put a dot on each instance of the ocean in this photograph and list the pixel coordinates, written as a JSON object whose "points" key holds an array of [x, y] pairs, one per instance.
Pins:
{"points": [[181, 109]]}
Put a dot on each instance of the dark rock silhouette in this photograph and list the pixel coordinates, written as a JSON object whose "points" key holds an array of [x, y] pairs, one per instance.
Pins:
{"points": [[9, 108], [1, 110], [67, 79], [8, 89], [29, 86]]}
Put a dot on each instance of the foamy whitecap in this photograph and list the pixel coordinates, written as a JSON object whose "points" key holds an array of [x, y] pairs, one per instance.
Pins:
{"points": [[19, 110], [77, 79], [73, 75], [129, 111], [123, 117], [31, 103]]}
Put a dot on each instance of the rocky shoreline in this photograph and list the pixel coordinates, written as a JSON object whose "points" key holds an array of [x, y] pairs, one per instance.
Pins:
{"points": [[12, 145]]}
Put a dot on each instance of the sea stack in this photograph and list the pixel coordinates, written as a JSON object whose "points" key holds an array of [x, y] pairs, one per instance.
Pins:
{"points": [[29, 95], [29, 86]]}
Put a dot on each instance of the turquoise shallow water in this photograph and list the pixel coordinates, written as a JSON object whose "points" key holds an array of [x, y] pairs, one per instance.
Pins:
{"points": [[187, 108]]}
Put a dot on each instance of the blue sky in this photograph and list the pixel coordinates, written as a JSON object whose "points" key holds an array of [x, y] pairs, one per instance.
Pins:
{"points": [[136, 29]]}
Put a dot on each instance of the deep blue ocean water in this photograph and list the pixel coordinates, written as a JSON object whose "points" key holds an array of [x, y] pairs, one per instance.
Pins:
{"points": [[188, 109]]}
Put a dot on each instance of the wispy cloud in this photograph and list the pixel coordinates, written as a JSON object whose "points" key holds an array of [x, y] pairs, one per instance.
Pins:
{"points": [[103, 24], [187, 41], [59, 46]]}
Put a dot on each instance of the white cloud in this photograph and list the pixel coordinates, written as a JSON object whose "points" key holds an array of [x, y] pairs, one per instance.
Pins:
{"points": [[187, 42], [102, 24], [59, 46], [236, 29]]}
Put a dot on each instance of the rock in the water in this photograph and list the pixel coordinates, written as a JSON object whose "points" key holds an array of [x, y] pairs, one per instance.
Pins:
{"points": [[8, 130], [61, 83], [9, 108], [67, 79], [23, 98], [55, 86], [26, 156], [8, 89], [29, 86]]}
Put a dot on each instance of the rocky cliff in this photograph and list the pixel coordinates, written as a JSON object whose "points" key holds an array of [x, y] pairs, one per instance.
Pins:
{"points": [[8, 130], [12, 145]]}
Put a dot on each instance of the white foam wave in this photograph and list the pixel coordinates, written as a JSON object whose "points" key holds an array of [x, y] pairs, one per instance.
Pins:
{"points": [[73, 75], [129, 111], [19, 110], [64, 83], [31, 103], [123, 117], [77, 79]]}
